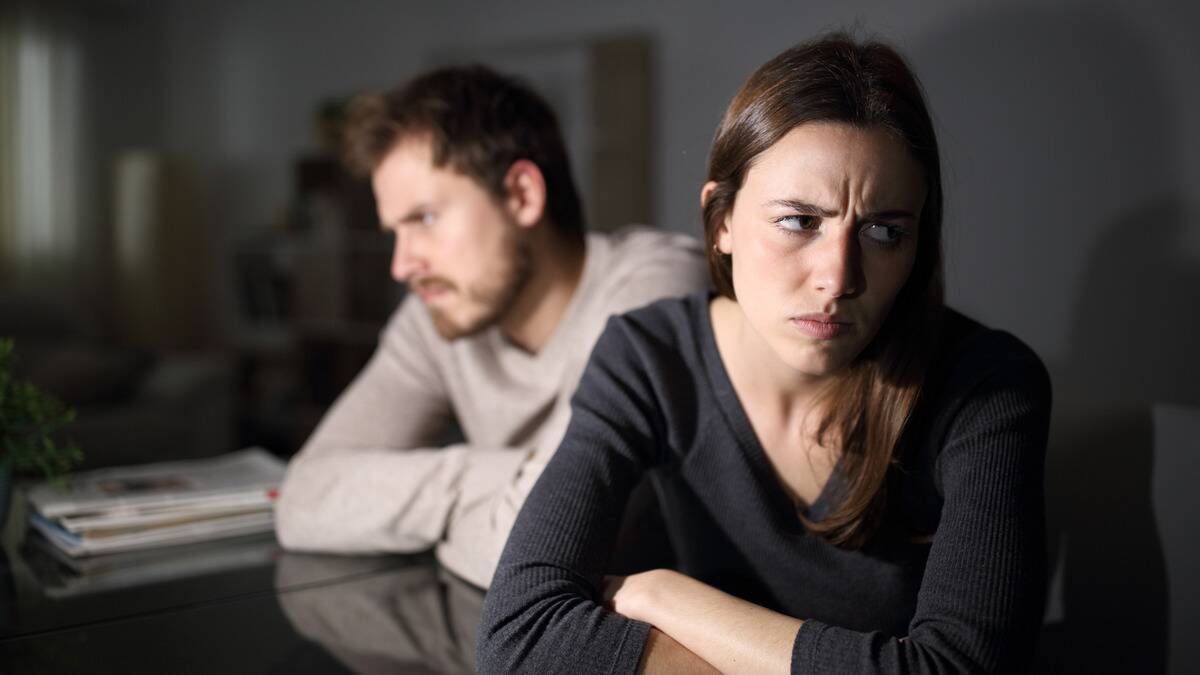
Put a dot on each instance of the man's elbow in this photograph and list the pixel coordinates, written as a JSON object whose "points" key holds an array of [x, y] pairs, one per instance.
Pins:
{"points": [[298, 522], [290, 522]]}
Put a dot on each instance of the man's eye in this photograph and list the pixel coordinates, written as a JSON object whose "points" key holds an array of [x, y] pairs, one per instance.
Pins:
{"points": [[796, 223]]}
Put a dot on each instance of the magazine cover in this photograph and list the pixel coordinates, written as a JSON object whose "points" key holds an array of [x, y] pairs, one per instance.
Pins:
{"points": [[250, 474]]}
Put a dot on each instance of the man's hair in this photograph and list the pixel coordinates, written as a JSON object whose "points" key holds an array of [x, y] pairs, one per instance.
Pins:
{"points": [[479, 122]]}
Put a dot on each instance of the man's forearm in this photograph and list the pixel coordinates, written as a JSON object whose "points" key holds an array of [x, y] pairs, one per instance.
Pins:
{"points": [[491, 495], [371, 500]]}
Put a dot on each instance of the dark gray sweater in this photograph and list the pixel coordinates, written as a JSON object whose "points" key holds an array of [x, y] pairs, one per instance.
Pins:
{"points": [[656, 398]]}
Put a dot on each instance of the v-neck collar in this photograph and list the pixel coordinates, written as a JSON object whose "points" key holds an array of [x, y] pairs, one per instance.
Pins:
{"points": [[739, 423]]}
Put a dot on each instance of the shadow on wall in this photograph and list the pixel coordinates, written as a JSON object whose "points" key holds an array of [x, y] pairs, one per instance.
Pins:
{"points": [[1129, 351], [1069, 142], [1133, 345]]}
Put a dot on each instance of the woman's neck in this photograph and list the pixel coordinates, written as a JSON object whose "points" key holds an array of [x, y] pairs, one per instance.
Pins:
{"points": [[757, 372]]}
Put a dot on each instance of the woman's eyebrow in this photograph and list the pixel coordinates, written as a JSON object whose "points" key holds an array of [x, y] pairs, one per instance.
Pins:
{"points": [[813, 210], [802, 207]]}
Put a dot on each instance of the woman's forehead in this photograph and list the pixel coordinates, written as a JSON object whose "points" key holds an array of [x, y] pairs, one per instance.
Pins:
{"points": [[830, 164]]}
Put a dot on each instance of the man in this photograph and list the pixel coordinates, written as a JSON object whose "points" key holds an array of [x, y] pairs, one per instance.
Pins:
{"points": [[507, 296]]}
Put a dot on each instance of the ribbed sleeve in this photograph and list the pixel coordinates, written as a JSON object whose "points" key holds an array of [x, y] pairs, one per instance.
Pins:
{"points": [[541, 614]]}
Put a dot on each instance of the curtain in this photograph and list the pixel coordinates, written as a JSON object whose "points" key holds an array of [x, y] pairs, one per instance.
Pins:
{"points": [[40, 93]]}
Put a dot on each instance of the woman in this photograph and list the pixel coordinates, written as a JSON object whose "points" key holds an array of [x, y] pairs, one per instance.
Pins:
{"points": [[850, 473]]}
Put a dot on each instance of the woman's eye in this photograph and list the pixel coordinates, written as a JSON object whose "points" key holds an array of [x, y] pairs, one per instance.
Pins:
{"points": [[882, 233], [427, 218], [797, 223]]}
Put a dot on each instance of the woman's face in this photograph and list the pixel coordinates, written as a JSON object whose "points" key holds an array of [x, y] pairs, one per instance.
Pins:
{"points": [[823, 234]]}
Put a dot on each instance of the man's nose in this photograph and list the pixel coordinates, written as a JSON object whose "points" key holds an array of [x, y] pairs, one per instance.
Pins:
{"points": [[406, 260], [838, 270]]}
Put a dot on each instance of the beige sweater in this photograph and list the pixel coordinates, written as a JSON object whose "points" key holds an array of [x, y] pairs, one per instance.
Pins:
{"points": [[373, 478]]}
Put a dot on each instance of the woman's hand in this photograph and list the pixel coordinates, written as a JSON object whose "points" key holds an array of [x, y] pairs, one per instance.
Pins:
{"points": [[733, 635], [632, 596]]}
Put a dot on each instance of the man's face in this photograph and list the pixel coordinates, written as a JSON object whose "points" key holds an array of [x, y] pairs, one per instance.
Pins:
{"points": [[457, 246]]}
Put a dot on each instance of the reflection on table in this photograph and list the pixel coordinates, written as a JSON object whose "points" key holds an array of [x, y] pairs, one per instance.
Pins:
{"points": [[417, 619], [240, 605]]}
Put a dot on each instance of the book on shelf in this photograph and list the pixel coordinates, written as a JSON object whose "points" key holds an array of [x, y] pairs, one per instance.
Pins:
{"points": [[129, 508]]}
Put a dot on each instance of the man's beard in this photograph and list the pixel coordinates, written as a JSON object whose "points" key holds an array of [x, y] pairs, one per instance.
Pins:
{"points": [[496, 298]]}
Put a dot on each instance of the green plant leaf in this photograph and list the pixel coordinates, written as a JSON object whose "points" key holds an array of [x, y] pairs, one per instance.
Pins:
{"points": [[30, 420]]}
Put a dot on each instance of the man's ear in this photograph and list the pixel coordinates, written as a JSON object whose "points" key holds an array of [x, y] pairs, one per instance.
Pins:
{"points": [[525, 193], [724, 242]]}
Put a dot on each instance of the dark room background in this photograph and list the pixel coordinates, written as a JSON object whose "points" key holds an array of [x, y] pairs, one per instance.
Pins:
{"points": [[166, 244]]}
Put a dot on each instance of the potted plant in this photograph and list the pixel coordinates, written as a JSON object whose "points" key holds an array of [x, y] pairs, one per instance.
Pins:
{"points": [[29, 422]]}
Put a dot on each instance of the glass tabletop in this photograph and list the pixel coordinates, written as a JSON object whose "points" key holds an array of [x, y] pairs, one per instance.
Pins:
{"points": [[233, 605], [327, 614], [42, 590]]}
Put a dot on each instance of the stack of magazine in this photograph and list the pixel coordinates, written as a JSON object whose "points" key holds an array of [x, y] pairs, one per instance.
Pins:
{"points": [[61, 575], [152, 505]]}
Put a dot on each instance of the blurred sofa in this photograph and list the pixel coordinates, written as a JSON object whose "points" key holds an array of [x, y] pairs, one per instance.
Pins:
{"points": [[133, 405]]}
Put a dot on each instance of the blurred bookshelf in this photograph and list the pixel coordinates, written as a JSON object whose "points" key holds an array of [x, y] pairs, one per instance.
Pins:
{"points": [[312, 297]]}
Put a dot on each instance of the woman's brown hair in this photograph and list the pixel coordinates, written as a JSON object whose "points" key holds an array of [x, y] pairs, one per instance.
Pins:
{"points": [[868, 85]]}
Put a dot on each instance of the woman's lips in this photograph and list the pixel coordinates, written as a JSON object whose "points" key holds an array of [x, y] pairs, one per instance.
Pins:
{"points": [[822, 326]]}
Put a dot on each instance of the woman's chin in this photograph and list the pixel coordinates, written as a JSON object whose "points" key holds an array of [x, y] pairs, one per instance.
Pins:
{"points": [[815, 363]]}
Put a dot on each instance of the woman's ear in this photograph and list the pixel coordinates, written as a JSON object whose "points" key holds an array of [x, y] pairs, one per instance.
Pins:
{"points": [[525, 193], [724, 242], [706, 192]]}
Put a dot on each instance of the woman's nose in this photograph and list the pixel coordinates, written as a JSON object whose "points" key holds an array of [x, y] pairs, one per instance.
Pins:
{"points": [[838, 271]]}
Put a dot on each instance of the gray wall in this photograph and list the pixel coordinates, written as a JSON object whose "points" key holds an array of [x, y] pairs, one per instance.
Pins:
{"points": [[1057, 122], [1072, 153]]}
